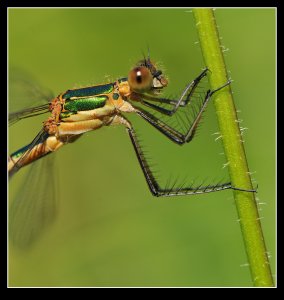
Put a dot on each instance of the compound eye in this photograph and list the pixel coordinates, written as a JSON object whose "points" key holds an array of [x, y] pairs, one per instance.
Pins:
{"points": [[140, 79]]}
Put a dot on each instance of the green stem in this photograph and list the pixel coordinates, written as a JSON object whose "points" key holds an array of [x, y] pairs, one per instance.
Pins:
{"points": [[233, 148]]}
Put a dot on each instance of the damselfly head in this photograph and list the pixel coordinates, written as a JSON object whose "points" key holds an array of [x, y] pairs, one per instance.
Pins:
{"points": [[145, 78]]}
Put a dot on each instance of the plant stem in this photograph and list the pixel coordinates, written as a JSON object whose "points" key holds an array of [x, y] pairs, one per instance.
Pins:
{"points": [[233, 148]]}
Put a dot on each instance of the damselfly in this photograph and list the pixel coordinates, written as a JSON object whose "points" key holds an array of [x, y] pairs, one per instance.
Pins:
{"points": [[77, 111]]}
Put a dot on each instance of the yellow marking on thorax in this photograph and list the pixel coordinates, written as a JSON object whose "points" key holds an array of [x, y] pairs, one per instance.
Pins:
{"points": [[107, 110], [124, 89], [124, 92], [80, 126]]}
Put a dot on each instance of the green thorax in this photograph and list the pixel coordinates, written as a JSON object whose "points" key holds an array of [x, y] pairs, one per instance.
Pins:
{"points": [[87, 98], [85, 103]]}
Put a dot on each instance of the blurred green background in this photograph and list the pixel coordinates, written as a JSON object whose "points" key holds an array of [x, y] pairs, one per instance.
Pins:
{"points": [[109, 230]]}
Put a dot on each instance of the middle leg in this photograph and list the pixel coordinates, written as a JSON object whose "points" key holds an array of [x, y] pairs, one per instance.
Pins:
{"points": [[151, 180]]}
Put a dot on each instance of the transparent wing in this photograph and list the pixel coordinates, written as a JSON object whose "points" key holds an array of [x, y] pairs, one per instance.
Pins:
{"points": [[35, 204], [27, 113], [27, 98]]}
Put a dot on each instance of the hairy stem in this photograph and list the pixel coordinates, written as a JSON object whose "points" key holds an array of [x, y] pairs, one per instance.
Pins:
{"points": [[233, 148]]}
